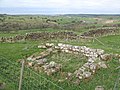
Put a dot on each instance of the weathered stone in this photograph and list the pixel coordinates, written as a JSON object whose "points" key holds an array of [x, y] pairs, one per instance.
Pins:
{"points": [[86, 65], [106, 57], [49, 45], [80, 77], [91, 60], [30, 64], [75, 53], [67, 51], [49, 50], [52, 64], [69, 76], [87, 74], [99, 51], [44, 47], [2, 86], [82, 69], [60, 44], [99, 88], [41, 61], [102, 64], [51, 68], [56, 47], [93, 66], [61, 80], [43, 54], [46, 67], [30, 59], [49, 72]]}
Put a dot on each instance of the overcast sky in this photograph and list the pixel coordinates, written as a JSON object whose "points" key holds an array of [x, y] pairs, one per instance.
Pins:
{"points": [[60, 6]]}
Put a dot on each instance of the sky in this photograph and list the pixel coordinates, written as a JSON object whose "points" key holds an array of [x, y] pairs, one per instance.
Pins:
{"points": [[59, 6]]}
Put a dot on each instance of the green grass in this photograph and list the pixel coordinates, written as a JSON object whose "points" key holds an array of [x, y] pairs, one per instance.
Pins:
{"points": [[111, 43], [18, 50], [104, 77], [69, 62], [23, 32]]}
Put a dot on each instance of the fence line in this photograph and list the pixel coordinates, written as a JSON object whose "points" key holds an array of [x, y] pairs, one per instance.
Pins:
{"points": [[30, 81], [117, 86], [21, 74]]}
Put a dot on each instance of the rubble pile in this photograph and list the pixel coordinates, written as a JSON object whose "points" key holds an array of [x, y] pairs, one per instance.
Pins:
{"points": [[51, 67], [41, 61], [40, 55]]}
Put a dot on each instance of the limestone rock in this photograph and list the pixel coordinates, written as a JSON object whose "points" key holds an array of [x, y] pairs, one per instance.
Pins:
{"points": [[29, 58], [46, 67], [80, 77], [52, 64], [93, 67], [87, 74], [102, 64], [100, 51], [60, 44], [69, 76], [56, 47], [44, 47], [41, 61], [51, 68], [91, 60], [30, 64], [106, 57], [86, 65], [99, 88], [48, 45], [61, 80], [2, 86]]}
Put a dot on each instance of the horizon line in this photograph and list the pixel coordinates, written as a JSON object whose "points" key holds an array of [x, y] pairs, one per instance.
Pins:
{"points": [[60, 14]]}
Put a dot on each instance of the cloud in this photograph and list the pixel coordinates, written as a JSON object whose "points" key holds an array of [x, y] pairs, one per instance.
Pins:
{"points": [[90, 6], [34, 3]]}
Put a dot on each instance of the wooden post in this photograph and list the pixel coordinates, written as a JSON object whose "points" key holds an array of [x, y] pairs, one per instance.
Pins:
{"points": [[21, 75], [93, 38]]}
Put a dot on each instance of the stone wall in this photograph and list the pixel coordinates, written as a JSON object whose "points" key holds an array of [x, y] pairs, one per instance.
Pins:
{"points": [[43, 36], [101, 32], [96, 59]]}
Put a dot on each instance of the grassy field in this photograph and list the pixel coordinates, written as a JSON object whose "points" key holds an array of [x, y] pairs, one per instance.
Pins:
{"points": [[104, 77], [77, 24]]}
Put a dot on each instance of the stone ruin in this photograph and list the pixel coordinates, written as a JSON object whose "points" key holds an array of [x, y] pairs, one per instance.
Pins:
{"points": [[101, 32], [96, 59], [43, 36], [13, 39], [41, 61]]}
